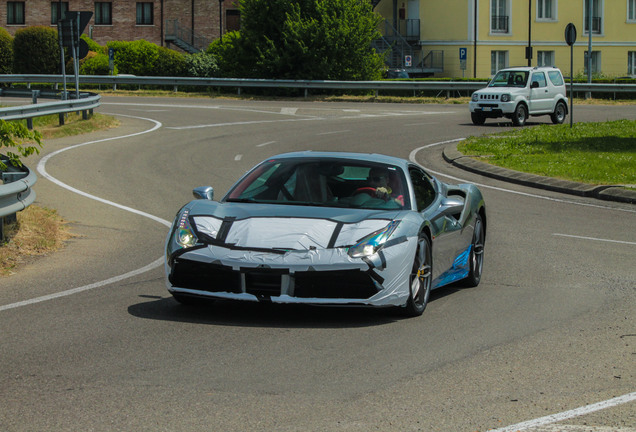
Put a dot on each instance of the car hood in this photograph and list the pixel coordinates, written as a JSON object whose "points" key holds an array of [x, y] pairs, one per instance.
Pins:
{"points": [[285, 227], [499, 90]]}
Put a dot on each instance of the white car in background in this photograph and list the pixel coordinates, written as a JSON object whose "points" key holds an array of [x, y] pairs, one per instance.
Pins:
{"points": [[520, 92]]}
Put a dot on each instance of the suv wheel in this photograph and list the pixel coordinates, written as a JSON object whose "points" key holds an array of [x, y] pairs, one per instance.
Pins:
{"points": [[559, 113], [520, 115], [477, 119]]}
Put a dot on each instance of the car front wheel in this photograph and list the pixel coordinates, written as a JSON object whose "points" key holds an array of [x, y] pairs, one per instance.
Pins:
{"points": [[477, 119], [520, 115], [558, 115], [476, 259], [420, 279]]}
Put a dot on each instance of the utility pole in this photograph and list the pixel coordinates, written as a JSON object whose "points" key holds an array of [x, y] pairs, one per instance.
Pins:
{"points": [[529, 49]]}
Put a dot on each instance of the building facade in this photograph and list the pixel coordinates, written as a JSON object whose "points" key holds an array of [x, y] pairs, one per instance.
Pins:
{"points": [[475, 38], [186, 23]]}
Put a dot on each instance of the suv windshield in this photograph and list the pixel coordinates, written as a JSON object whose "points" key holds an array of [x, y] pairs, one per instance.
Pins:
{"points": [[509, 79], [325, 183]]}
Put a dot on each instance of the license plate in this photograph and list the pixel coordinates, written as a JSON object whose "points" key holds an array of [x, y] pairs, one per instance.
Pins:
{"points": [[487, 109]]}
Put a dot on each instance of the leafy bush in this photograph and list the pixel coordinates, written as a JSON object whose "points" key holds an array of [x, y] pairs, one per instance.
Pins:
{"points": [[169, 63], [94, 46], [6, 52], [36, 51], [16, 136], [95, 64], [225, 53], [136, 58], [201, 65]]}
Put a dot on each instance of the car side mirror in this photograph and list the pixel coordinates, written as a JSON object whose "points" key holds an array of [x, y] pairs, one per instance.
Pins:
{"points": [[203, 192], [535, 84]]}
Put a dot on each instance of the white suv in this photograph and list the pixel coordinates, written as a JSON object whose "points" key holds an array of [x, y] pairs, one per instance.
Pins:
{"points": [[517, 93]]}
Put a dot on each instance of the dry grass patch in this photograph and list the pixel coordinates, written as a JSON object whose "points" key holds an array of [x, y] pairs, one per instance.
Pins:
{"points": [[38, 231]]}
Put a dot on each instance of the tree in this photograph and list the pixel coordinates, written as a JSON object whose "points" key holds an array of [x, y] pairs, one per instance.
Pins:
{"points": [[304, 39]]}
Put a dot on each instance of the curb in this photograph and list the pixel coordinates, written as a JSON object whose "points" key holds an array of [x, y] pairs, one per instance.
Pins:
{"points": [[607, 193]]}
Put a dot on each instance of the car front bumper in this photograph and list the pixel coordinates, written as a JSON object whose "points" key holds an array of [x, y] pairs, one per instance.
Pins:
{"points": [[328, 276]]}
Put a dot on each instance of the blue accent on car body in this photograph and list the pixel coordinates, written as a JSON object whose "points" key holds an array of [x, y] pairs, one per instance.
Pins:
{"points": [[459, 270]]}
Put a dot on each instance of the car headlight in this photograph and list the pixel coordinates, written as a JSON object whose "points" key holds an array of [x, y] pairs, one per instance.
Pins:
{"points": [[372, 243], [184, 233], [474, 97], [505, 97]]}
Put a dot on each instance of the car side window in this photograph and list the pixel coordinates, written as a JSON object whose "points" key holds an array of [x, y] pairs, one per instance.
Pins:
{"points": [[556, 78], [423, 188], [539, 77]]}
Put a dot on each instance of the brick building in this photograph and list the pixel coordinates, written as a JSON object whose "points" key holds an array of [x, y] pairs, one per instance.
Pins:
{"points": [[187, 24]]}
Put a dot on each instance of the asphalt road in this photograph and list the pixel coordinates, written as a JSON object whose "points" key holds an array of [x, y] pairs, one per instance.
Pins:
{"points": [[91, 340]]}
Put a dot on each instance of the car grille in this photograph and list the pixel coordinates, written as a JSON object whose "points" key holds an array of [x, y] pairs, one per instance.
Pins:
{"points": [[488, 97], [264, 283]]}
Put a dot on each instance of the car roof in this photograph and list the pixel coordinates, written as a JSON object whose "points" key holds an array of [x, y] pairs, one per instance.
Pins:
{"points": [[529, 68], [365, 157]]}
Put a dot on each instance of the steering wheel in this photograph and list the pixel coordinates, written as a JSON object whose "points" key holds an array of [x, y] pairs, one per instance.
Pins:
{"points": [[367, 190]]}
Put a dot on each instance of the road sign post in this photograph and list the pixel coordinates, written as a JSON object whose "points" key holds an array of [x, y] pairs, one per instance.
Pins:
{"points": [[463, 52], [570, 38]]}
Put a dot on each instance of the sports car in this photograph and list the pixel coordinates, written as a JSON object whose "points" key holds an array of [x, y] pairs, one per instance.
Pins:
{"points": [[328, 228]]}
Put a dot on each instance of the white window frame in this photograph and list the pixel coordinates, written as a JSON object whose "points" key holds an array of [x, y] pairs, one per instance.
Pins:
{"points": [[601, 15], [545, 58], [596, 62], [631, 11], [631, 63], [507, 11], [498, 61], [542, 5]]}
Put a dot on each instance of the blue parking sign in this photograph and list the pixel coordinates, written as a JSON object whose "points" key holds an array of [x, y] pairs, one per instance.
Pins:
{"points": [[462, 53]]}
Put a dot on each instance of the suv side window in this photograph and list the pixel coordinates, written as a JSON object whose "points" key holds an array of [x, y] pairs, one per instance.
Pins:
{"points": [[556, 78], [423, 188], [539, 77]]}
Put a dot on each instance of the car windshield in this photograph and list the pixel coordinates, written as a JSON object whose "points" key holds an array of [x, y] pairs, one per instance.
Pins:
{"points": [[509, 79], [325, 183]]}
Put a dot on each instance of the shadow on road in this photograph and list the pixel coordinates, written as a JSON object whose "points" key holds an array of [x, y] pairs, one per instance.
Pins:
{"points": [[244, 314]]}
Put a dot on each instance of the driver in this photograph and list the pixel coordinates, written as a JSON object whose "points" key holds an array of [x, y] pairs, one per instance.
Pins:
{"points": [[379, 180]]}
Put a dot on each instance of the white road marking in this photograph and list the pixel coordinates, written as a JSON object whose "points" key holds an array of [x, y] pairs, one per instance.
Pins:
{"points": [[333, 132], [99, 284], [580, 428], [594, 239], [238, 157], [577, 412], [42, 170], [265, 143], [288, 111], [238, 123]]}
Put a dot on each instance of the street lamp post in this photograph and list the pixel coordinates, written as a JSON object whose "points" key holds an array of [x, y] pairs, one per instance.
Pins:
{"points": [[221, 20], [529, 48]]}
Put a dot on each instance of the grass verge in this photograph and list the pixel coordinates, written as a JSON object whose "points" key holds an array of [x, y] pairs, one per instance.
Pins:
{"points": [[38, 231], [595, 153]]}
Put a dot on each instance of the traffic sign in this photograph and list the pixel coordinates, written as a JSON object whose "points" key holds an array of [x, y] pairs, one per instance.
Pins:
{"points": [[462, 53], [570, 34], [408, 60]]}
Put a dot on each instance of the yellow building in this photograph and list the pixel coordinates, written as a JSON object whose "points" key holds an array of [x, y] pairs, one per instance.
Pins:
{"points": [[475, 38]]}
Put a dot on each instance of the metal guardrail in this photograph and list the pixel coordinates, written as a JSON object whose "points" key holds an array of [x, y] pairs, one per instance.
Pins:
{"points": [[239, 83], [16, 193], [87, 101]]}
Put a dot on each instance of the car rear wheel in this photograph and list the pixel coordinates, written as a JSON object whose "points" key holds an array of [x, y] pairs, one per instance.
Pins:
{"points": [[476, 259], [420, 279], [520, 115], [558, 115], [477, 119]]}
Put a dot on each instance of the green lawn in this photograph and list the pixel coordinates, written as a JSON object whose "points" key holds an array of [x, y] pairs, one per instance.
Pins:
{"points": [[595, 153]]}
